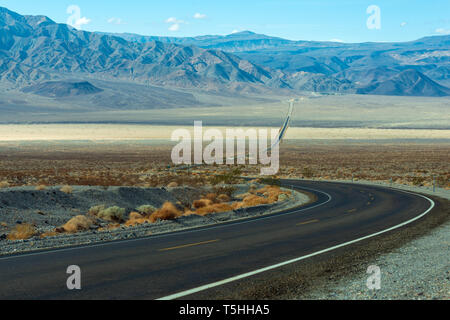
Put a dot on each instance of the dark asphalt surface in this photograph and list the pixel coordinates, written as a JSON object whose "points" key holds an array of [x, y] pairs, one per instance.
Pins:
{"points": [[158, 266]]}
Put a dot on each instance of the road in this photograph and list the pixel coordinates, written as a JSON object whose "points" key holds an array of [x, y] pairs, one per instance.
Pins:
{"points": [[178, 265]]}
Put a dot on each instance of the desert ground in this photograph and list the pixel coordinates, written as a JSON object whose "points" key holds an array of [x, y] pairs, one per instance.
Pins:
{"points": [[48, 158]]}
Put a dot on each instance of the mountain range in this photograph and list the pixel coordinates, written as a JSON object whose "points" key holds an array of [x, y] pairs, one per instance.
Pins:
{"points": [[40, 56]]}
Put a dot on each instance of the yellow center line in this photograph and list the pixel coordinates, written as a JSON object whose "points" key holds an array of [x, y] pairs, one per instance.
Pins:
{"points": [[189, 245], [350, 211], [307, 222]]}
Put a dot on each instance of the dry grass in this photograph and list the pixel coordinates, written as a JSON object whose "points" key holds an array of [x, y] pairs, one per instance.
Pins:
{"points": [[77, 224], [167, 212], [223, 198], [197, 204], [41, 187], [4, 184], [135, 218], [146, 165], [67, 189], [214, 208], [22, 232]]}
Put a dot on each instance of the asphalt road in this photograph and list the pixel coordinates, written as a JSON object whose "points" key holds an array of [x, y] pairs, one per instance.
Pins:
{"points": [[161, 266]]}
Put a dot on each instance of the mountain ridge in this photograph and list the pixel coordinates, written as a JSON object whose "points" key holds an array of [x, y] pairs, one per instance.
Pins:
{"points": [[35, 49]]}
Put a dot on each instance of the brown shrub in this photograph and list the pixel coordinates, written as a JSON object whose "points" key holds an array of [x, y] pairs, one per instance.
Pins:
{"points": [[136, 219], [41, 187], [214, 208], [22, 232], [254, 200], [211, 196], [78, 223], [202, 203], [223, 198], [172, 185], [167, 212]]}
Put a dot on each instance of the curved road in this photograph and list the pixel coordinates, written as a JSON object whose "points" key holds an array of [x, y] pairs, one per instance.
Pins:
{"points": [[180, 264]]}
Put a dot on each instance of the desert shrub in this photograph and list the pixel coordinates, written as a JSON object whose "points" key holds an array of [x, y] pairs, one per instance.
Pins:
{"points": [[202, 203], [114, 214], [94, 211], [67, 189], [231, 177], [211, 196], [4, 184], [228, 190], [77, 224], [271, 181], [146, 209], [136, 218], [167, 212], [417, 181], [214, 208], [41, 187], [254, 200], [243, 195], [223, 198], [172, 185], [22, 232], [307, 172]]}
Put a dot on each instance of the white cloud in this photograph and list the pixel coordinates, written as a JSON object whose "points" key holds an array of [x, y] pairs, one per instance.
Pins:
{"points": [[336, 40], [403, 24], [175, 23], [443, 31], [199, 16], [117, 21], [81, 22], [174, 20], [75, 20], [174, 27], [234, 31]]}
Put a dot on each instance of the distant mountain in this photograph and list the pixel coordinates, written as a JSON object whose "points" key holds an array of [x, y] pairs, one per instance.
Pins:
{"points": [[39, 54], [236, 42], [360, 63], [60, 89], [407, 83], [34, 48]]}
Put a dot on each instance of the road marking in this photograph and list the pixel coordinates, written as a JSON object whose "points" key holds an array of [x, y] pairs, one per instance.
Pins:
{"points": [[189, 245], [307, 222], [255, 272], [351, 211]]}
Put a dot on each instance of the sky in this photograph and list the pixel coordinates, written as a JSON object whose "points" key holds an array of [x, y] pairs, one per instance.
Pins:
{"points": [[324, 20]]}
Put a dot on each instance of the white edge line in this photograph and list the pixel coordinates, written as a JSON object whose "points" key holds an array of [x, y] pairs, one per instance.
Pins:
{"points": [[252, 273], [206, 228]]}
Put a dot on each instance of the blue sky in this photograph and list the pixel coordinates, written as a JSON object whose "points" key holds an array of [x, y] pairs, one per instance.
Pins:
{"points": [[344, 20]]}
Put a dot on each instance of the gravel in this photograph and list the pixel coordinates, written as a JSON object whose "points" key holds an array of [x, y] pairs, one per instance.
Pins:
{"points": [[418, 270]]}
